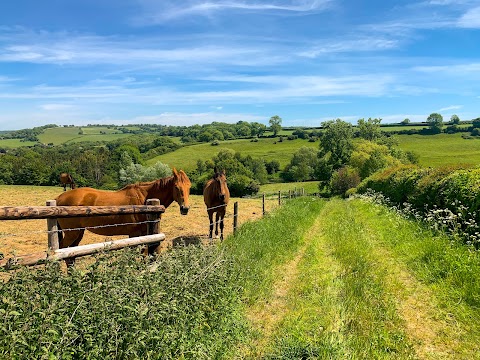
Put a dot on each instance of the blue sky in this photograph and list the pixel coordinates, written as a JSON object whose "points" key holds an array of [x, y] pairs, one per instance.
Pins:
{"points": [[197, 61]]}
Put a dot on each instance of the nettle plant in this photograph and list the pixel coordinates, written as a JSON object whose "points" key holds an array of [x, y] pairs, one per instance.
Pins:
{"points": [[460, 223]]}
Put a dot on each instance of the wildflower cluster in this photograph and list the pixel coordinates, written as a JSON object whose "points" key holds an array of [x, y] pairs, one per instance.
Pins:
{"points": [[456, 221]]}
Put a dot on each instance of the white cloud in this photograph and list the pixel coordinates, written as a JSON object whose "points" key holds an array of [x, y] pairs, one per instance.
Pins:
{"points": [[451, 107], [157, 12], [471, 19], [56, 107]]}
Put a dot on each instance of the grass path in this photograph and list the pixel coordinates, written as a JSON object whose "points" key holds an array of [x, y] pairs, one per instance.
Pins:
{"points": [[352, 291]]}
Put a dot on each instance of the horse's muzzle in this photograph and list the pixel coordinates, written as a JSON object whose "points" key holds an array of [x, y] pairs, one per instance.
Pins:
{"points": [[184, 210]]}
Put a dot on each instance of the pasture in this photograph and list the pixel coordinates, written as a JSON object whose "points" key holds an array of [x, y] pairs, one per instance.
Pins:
{"points": [[62, 135], [21, 237], [442, 149], [265, 148]]}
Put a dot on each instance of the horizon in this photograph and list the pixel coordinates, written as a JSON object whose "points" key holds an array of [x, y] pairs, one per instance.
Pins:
{"points": [[308, 61]]}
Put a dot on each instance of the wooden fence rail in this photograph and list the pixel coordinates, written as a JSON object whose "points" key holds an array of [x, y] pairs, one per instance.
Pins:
{"points": [[51, 212]]}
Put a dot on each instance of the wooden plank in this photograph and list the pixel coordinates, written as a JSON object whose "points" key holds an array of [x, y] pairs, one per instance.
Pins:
{"points": [[82, 250], [52, 212]]}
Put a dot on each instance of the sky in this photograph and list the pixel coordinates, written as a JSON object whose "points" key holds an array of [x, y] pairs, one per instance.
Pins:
{"points": [[191, 62]]}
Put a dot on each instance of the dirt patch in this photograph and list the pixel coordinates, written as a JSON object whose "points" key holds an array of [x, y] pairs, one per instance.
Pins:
{"points": [[28, 236]]}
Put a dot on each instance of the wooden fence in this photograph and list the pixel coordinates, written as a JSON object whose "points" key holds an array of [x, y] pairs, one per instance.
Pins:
{"points": [[51, 212]]}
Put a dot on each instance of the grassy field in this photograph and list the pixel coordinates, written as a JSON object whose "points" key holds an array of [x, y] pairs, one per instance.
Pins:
{"points": [[442, 149], [265, 148], [15, 143], [309, 186], [60, 135]]}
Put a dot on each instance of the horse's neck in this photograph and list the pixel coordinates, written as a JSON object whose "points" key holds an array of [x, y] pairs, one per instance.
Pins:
{"points": [[163, 190]]}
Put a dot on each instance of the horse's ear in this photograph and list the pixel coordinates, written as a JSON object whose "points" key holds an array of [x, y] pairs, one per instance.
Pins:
{"points": [[175, 172], [215, 170], [224, 172]]}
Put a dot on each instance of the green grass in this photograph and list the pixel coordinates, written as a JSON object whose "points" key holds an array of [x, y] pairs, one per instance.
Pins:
{"points": [[60, 135], [309, 186], [15, 143], [442, 149], [373, 285], [186, 157]]}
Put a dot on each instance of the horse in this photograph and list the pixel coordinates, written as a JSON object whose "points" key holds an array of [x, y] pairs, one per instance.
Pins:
{"points": [[216, 196], [67, 179], [168, 189]]}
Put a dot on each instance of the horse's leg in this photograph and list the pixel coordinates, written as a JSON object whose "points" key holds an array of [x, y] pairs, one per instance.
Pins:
{"points": [[210, 218], [70, 239], [221, 226], [217, 220], [64, 187]]}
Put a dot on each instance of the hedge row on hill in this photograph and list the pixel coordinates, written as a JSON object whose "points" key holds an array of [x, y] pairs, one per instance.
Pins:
{"points": [[456, 188]]}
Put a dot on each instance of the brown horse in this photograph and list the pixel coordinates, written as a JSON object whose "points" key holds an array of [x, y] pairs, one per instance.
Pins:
{"points": [[216, 196], [169, 189], [67, 179]]}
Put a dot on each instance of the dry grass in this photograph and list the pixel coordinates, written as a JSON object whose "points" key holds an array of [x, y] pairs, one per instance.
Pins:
{"points": [[28, 236]]}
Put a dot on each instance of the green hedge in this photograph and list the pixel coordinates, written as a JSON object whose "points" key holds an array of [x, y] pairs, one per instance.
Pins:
{"points": [[455, 188]]}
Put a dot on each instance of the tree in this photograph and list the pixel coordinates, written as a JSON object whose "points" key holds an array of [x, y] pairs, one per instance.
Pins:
{"points": [[369, 129], [435, 122], [275, 124], [454, 119], [405, 121], [302, 165], [336, 143]]}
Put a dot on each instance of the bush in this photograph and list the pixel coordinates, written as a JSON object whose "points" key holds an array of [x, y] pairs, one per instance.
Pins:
{"points": [[344, 179], [241, 185]]}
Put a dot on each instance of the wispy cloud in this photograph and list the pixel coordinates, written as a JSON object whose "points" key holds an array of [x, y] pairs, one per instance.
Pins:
{"points": [[451, 107], [471, 19], [167, 10]]}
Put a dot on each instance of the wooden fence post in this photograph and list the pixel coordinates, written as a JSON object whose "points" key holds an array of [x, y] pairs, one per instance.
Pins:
{"points": [[235, 217], [154, 226], [263, 204], [279, 198], [52, 227], [289, 194]]}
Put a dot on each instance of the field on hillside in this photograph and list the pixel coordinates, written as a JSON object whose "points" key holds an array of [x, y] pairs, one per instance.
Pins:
{"points": [[442, 149], [265, 148], [309, 186], [60, 135], [27, 236]]}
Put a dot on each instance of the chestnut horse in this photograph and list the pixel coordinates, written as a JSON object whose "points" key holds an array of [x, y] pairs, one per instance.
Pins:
{"points": [[169, 189], [216, 196], [67, 179]]}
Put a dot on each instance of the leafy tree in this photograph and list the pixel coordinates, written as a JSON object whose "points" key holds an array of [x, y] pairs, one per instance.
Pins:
{"points": [[369, 129], [302, 165], [405, 121], [272, 166], [275, 124], [476, 123], [336, 143], [454, 119], [435, 121]]}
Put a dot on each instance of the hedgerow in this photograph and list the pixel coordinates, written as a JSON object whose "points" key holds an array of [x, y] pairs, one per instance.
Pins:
{"points": [[185, 306]]}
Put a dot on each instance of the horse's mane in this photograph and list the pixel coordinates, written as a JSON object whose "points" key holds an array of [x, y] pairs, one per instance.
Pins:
{"points": [[159, 182]]}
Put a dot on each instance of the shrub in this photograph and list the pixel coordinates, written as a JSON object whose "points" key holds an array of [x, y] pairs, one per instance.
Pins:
{"points": [[344, 179], [241, 185]]}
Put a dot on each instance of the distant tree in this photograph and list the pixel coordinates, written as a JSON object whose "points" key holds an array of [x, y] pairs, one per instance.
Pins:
{"points": [[405, 121], [369, 129], [476, 123], [275, 124], [454, 119], [435, 122], [258, 129], [302, 165], [336, 143]]}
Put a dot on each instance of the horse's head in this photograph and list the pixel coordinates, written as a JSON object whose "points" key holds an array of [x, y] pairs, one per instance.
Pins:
{"points": [[181, 190], [220, 179]]}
